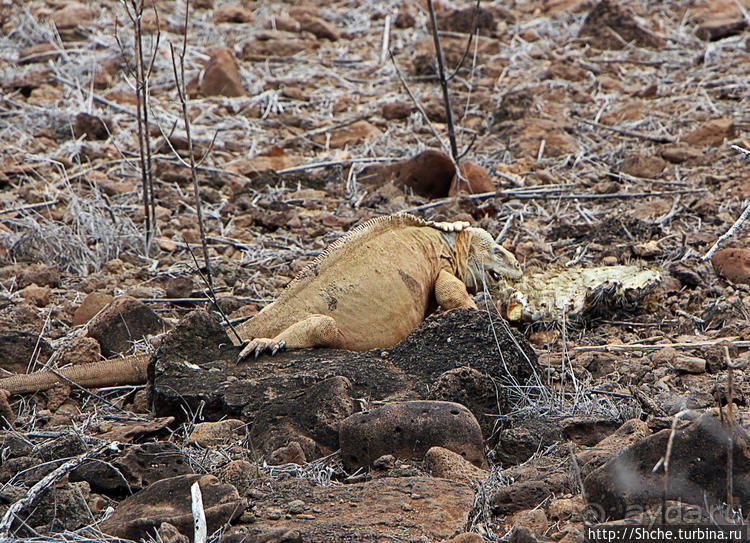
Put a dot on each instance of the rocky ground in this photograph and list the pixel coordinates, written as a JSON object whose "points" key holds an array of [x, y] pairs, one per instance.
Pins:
{"points": [[594, 134]]}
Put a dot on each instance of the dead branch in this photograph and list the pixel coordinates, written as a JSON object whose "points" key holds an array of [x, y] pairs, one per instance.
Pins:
{"points": [[182, 95]]}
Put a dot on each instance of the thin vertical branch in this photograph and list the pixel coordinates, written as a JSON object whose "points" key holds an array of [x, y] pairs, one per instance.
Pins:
{"points": [[134, 10], [443, 83], [181, 93], [730, 427]]}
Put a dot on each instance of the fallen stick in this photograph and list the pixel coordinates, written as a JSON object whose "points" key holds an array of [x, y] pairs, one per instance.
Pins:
{"points": [[733, 341], [625, 132], [551, 195]]}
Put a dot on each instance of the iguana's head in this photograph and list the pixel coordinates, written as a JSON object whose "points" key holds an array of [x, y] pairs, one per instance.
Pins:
{"points": [[488, 263]]}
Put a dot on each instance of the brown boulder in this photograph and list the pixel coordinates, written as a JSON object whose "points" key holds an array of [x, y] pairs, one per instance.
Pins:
{"points": [[208, 434], [407, 430], [136, 468], [318, 27], [611, 26], [168, 500], [447, 464], [41, 274], [697, 470], [220, 76], [72, 15], [91, 126], [20, 351], [91, 305], [643, 165], [396, 110], [712, 133], [733, 264], [122, 322], [36, 295], [677, 153], [474, 180], [232, 13]]}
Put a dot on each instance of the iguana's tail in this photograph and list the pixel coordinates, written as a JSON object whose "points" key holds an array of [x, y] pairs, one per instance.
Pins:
{"points": [[131, 370]]}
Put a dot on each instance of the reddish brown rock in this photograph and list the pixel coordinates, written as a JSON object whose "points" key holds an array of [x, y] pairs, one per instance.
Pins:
{"points": [[210, 434], [677, 153], [92, 304], [318, 27], [468, 20], [429, 174], [80, 350], [349, 135], [447, 464], [289, 454], [720, 28], [91, 126], [712, 133], [733, 264], [72, 15], [40, 274], [232, 13], [611, 26], [276, 45], [283, 22], [122, 322], [643, 165], [169, 500], [396, 110], [220, 76], [36, 295], [474, 180]]}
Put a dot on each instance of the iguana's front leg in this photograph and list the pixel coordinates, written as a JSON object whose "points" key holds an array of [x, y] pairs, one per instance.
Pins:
{"points": [[450, 292], [314, 331]]}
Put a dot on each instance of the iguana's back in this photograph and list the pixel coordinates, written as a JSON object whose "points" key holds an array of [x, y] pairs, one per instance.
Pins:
{"points": [[377, 282]]}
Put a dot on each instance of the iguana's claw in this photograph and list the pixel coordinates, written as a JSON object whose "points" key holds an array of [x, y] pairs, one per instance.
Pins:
{"points": [[258, 346], [280, 346]]}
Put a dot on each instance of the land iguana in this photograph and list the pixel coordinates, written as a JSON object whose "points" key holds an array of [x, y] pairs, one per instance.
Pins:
{"points": [[367, 290]]}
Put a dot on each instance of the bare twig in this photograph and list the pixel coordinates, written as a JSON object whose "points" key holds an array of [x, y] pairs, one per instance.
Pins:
{"points": [[29, 207], [418, 105], [734, 341], [625, 132], [181, 93], [729, 233], [134, 10], [551, 195], [730, 424], [212, 296], [443, 83]]}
